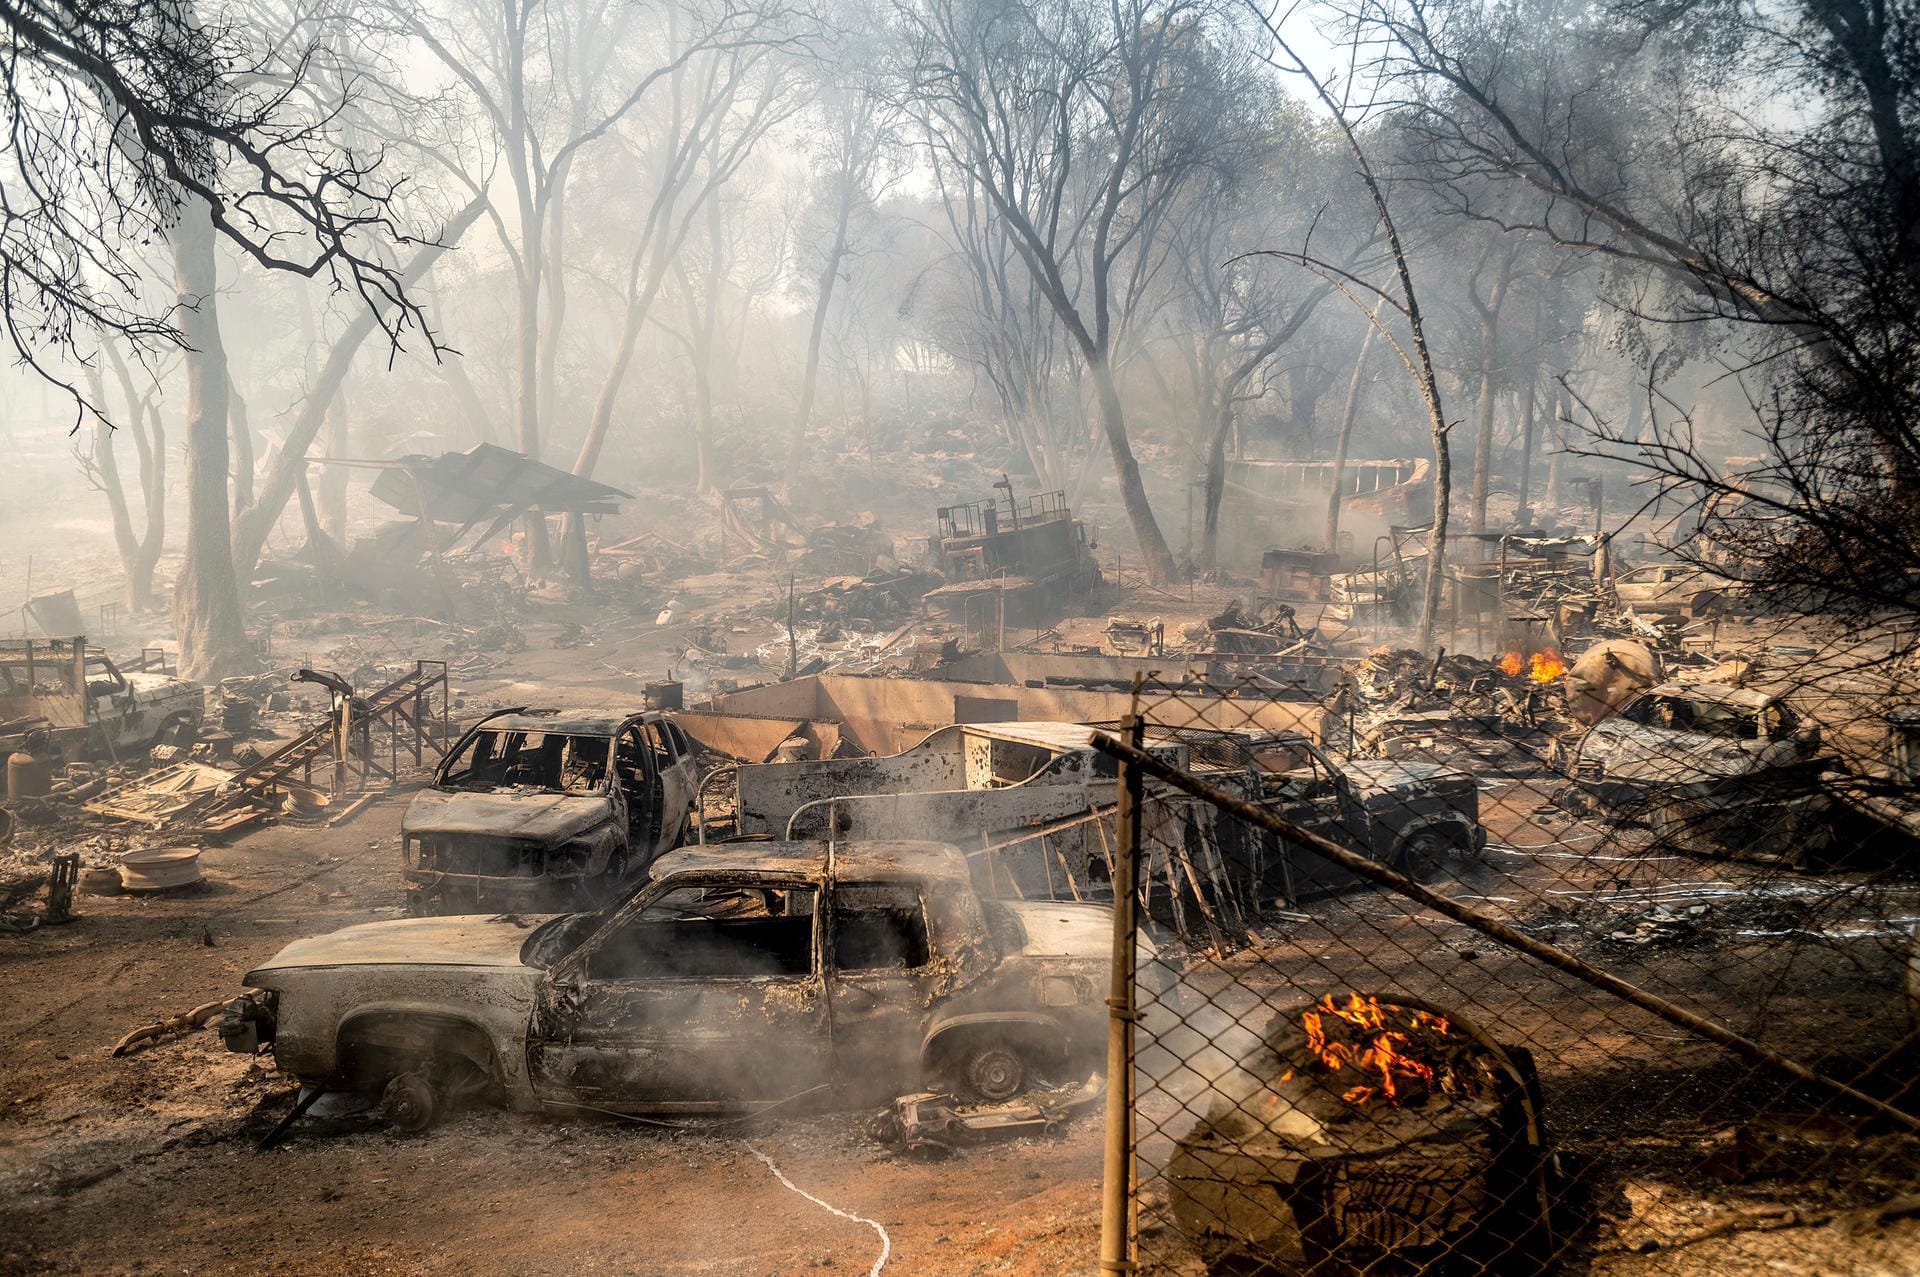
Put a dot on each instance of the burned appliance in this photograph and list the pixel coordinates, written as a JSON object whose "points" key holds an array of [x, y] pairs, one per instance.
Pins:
{"points": [[1369, 1135]]}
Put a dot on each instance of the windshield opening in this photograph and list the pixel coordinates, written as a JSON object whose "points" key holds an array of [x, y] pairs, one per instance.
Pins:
{"points": [[1708, 718], [512, 759]]}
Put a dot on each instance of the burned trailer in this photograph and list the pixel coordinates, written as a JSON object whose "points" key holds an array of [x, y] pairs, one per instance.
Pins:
{"points": [[735, 977], [545, 808]]}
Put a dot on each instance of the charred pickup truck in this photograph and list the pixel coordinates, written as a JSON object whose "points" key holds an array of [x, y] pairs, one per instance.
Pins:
{"points": [[544, 808], [76, 699], [738, 976]]}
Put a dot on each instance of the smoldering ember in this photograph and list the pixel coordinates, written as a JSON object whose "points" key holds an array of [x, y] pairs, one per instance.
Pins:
{"points": [[1170, 637]]}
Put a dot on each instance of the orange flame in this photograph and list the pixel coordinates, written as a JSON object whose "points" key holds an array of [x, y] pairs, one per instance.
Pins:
{"points": [[1381, 1059], [1546, 666], [1512, 663]]}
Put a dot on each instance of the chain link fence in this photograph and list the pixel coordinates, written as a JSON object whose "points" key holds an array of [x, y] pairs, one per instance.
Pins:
{"points": [[1446, 981]]}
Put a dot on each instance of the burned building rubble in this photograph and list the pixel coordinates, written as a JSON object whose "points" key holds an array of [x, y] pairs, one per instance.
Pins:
{"points": [[1031, 804]]}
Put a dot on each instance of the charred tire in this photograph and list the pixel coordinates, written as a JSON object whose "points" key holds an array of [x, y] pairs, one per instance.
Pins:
{"points": [[992, 1070], [410, 1103], [1431, 856]]}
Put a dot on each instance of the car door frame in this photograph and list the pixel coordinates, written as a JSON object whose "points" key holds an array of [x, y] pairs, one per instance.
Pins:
{"points": [[565, 995]]}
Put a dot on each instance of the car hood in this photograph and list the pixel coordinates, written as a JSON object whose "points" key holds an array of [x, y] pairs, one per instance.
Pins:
{"points": [[470, 941], [1660, 755], [1069, 929], [1395, 775], [534, 815]]}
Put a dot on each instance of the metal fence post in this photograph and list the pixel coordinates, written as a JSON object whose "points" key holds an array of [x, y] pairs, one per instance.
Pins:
{"points": [[1116, 1233]]}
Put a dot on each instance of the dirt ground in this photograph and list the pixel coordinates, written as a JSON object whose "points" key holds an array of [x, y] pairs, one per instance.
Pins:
{"points": [[146, 1163]]}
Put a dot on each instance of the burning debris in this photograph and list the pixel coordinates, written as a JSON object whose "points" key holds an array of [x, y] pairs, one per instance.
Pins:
{"points": [[1365, 1131]]}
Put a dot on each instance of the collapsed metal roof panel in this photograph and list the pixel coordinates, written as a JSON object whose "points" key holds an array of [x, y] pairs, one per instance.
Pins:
{"points": [[486, 480]]}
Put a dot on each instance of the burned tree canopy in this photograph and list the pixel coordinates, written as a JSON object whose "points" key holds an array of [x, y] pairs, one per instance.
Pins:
{"points": [[119, 113]]}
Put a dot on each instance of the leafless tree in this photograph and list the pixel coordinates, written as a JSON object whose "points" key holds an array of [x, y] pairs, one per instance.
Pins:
{"points": [[120, 115], [857, 160], [1078, 124], [547, 80], [721, 103], [1414, 354], [139, 417], [1650, 136]]}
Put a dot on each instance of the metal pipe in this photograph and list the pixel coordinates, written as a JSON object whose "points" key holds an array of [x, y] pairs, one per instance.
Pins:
{"points": [[1116, 1197], [814, 802]]}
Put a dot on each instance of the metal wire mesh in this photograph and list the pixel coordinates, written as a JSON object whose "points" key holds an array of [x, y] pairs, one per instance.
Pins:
{"points": [[1333, 1077]]}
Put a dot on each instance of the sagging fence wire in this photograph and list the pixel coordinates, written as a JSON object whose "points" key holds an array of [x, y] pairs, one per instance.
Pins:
{"points": [[1333, 1086]]}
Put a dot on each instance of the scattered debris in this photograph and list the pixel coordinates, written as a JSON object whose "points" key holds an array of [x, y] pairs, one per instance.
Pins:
{"points": [[198, 1018], [935, 1123]]}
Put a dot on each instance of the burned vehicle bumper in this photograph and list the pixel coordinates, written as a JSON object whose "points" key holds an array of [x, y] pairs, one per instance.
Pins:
{"points": [[353, 1009]]}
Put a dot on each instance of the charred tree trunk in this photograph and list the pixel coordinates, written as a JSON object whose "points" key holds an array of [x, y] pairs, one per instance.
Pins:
{"points": [[1133, 492], [206, 595], [823, 298], [1489, 311], [103, 468], [1523, 513], [242, 448], [702, 332], [1347, 415], [277, 486], [333, 479], [556, 288], [1213, 489], [527, 404], [150, 443], [467, 399], [1563, 412]]}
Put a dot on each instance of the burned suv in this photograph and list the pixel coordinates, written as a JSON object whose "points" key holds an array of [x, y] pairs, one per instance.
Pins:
{"points": [[546, 808], [740, 975]]}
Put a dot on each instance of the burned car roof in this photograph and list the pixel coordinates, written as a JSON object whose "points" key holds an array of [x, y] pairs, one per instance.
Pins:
{"points": [[558, 722], [851, 859]]}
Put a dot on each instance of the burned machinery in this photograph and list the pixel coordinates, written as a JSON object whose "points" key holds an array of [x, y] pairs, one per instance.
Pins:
{"points": [[1011, 560]]}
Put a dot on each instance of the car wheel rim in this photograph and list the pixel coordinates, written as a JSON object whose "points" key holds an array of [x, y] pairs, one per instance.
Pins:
{"points": [[995, 1074], [408, 1103]]}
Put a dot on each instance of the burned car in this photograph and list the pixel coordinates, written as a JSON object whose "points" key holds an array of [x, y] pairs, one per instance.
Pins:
{"points": [[738, 975], [83, 705], [544, 808], [1711, 767], [1675, 587], [1418, 817]]}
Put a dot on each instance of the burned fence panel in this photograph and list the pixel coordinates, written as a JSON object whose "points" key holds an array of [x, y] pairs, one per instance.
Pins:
{"points": [[1587, 1043]]}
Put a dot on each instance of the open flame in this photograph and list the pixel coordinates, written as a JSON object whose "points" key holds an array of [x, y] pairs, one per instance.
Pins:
{"points": [[1380, 1055], [1546, 666], [1541, 667]]}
